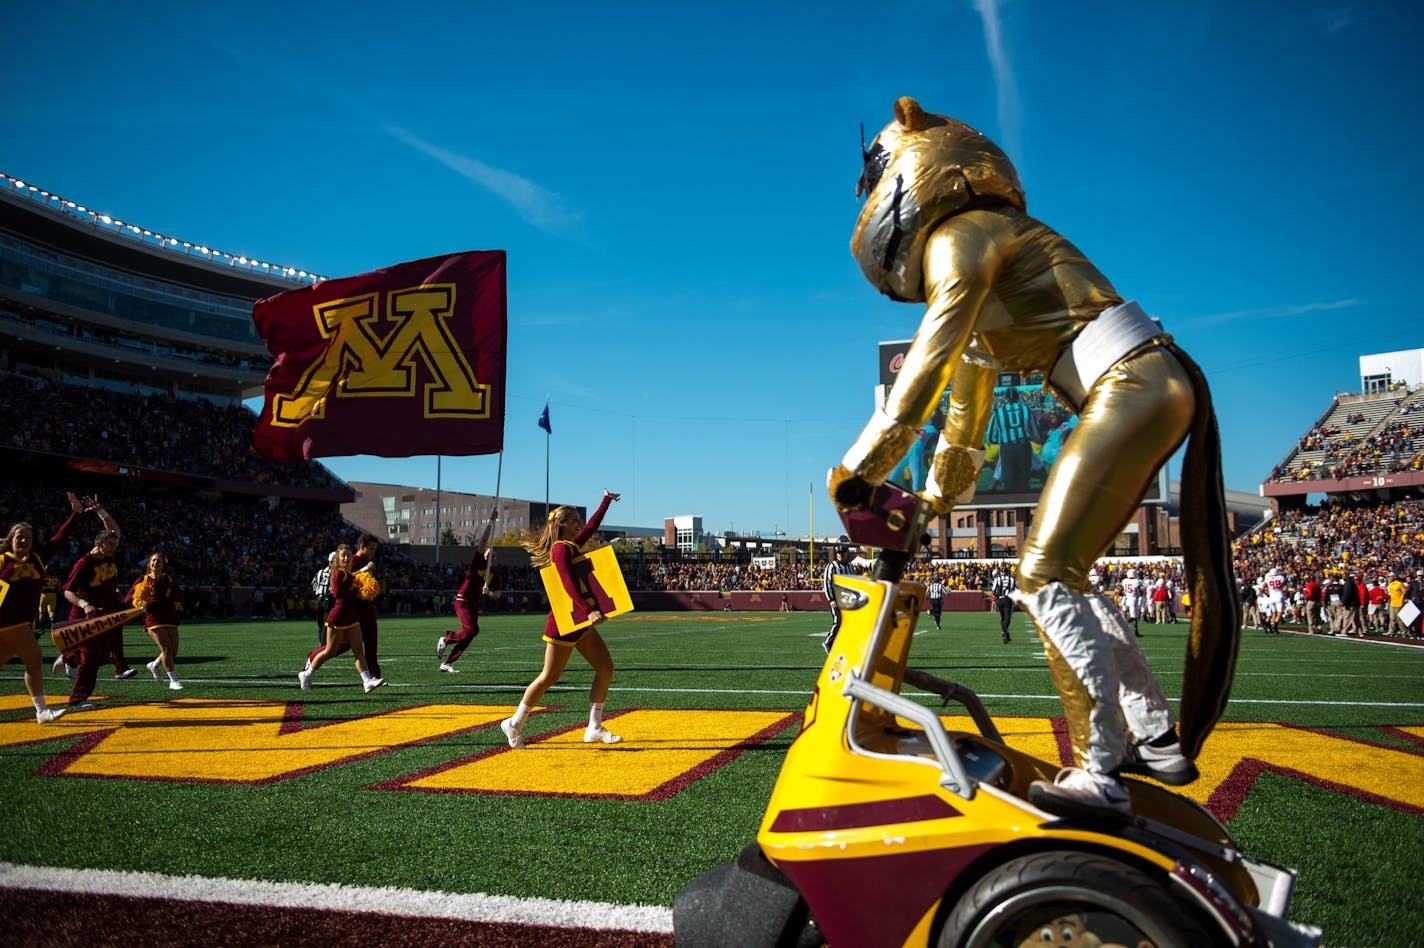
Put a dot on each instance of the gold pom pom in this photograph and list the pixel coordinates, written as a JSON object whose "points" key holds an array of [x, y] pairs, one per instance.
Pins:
{"points": [[367, 587], [143, 592]]}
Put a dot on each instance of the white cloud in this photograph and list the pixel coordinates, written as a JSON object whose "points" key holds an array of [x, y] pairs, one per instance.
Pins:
{"points": [[1283, 311], [540, 208], [1341, 19], [1006, 87]]}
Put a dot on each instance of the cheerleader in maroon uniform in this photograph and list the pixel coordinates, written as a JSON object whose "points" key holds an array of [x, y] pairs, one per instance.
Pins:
{"points": [[364, 561], [92, 591], [467, 602], [158, 592], [22, 576], [362, 570], [558, 543], [343, 623]]}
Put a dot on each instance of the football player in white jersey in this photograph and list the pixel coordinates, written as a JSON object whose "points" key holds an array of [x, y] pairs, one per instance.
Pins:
{"points": [[1273, 601], [1134, 597]]}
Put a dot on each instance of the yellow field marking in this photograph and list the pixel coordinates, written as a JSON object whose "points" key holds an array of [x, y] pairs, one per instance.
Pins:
{"points": [[660, 749], [234, 741], [251, 741], [14, 702], [1030, 735], [1395, 775], [1386, 772]]}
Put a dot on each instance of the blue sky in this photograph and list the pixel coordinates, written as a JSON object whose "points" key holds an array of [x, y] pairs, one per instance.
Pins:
{"points": [[674, 184]]}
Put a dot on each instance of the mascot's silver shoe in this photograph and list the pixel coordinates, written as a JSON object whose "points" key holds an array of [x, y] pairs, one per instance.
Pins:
{"points": [[1083, 794], [1161, 759]]}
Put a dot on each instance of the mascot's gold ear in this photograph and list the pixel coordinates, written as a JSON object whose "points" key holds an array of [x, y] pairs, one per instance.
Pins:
{"points": [[908, 113]]}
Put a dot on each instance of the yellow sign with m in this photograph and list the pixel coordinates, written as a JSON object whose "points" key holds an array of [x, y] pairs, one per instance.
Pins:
{"points": [[600, 586]]}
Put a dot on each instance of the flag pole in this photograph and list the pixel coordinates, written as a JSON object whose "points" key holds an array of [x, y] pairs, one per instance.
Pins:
{"points": [[548, 435], [498, 473], [811, 507], [437, 510]]}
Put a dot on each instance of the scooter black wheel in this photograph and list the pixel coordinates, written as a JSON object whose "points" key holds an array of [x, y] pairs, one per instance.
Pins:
{"points": [[1058, 896]]}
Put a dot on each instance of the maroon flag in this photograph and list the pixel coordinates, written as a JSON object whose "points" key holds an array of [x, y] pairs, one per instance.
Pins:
{"points": [[397, 362]]}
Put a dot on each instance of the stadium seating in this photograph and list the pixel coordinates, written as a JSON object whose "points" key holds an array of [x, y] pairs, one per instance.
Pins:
{"points": [[225, 544], [1358, 437]]}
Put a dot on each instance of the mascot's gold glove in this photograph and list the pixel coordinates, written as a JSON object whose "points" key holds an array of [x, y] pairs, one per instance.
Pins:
{"points": [[954, 473], [869, 461]]}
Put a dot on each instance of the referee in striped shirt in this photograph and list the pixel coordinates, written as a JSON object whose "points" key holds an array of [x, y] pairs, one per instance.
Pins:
{"points": [[836, 567], [1002, 588], [934, 592], [1013, 428]]}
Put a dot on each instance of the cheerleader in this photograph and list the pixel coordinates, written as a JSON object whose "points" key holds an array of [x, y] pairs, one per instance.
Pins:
{"points": [[158, 592], [558, 543], [22, 577], [343, 623]]}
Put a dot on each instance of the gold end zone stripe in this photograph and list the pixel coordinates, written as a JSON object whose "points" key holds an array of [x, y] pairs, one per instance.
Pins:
{"points": [[663, 750]]}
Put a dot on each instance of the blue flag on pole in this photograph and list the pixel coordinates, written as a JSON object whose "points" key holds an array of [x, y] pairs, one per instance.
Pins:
{"points": [[544, 419]]}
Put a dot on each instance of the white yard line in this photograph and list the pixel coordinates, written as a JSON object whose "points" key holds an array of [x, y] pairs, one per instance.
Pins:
{"points": [[412, 902]]}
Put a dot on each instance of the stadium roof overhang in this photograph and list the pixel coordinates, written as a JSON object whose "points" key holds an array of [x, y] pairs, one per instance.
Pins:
{"points": [[45, 346], [42, 226]]}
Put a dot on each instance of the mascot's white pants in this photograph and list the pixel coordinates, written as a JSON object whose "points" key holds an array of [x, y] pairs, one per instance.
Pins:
{"points": [[1099, 646]]}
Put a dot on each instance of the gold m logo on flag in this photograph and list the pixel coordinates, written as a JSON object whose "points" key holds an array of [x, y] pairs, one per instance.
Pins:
{"points": [[402, 361], [372, 351]]}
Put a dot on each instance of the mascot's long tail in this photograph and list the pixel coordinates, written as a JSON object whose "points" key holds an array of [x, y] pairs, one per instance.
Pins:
{"points": [[1206, 545]]}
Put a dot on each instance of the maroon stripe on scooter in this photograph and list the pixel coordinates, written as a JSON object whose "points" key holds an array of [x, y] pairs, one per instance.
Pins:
{"points": [[855, 815]]}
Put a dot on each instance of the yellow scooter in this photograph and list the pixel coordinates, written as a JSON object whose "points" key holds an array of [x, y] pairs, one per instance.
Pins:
{"points": [[886, 828]]}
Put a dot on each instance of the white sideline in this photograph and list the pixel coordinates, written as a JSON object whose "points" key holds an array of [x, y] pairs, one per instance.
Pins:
{"points": [[412, 902]]}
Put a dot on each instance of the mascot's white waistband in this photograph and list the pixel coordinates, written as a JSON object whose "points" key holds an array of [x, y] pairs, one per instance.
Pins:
{"points": [[1101, 345]]}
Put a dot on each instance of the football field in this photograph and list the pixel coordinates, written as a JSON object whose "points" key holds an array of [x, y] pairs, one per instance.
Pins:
{"points": [[1318, 765]]}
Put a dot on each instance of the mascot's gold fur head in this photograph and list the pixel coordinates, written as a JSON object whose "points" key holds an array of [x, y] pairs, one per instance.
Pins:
{"points": [[920, 169]]}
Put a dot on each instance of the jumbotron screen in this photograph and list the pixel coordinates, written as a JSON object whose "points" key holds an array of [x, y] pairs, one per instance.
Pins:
{"points": [[1028, 429]]}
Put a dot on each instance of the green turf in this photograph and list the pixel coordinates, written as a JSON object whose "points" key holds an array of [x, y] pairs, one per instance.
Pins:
{"points": [[328, 826]]}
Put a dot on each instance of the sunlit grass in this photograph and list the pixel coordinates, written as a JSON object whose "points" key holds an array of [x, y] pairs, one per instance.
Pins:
{"points": [[331, 825]]}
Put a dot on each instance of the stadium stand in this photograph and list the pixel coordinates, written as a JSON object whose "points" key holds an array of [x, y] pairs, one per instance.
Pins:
{"points": [[1359, 437], [1348, 499], [127, 356]]}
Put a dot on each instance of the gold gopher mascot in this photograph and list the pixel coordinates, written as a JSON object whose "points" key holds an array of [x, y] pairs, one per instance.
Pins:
{"points": [[1069, 931], [945, 223]]}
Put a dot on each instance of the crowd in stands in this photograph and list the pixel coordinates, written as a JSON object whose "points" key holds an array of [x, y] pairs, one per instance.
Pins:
{"points": [[157, 431], [1329, 451], [248, 557], [1353, 554], [1334, 539], [222, 551], [957, 575], [745, 577], [257, 554], [1394, 449]]}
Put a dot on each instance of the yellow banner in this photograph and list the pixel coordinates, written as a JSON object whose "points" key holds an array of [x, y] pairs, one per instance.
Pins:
{"points": [[600, 584], [68, 636]]}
